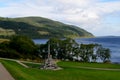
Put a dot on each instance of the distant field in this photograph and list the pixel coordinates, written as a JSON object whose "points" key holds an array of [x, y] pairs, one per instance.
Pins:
{"points": [[2, 40], [70, 71]]}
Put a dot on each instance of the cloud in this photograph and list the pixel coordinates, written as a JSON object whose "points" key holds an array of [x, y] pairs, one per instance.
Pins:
{"points": [[88, 14], [90, 10]]}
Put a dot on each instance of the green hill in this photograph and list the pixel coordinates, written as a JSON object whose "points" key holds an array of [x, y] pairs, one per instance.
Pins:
{"points": [[38, 27]]}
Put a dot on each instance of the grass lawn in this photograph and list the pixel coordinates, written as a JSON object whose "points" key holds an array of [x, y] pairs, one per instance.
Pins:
{"points": [[69, 72], [93, 65], [32, 65]]}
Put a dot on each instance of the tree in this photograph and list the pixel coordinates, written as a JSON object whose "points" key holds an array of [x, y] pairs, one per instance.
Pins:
{"points": [[77, 52], [24, 46], [94, 55], [54, 46], [7, 52], [43, 51], [104, 54], [86, 52], [68, 46]]}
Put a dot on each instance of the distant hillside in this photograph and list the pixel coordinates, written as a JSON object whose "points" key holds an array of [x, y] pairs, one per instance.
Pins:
{"points": [[38, 27]]}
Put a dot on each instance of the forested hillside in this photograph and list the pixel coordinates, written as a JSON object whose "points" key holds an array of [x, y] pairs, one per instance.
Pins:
{"points": [[38, 27]]}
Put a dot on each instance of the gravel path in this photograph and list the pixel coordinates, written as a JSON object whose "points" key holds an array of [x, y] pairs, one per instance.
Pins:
{"points": [[22, 64], [4, 74]]}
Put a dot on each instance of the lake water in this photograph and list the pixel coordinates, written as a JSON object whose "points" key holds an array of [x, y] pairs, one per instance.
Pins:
{"points": [[113, 43]]}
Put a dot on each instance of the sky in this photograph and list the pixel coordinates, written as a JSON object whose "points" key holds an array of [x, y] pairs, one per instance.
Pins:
{"points": [[100, 17]]}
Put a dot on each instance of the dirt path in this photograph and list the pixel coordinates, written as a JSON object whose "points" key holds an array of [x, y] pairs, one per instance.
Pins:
{"points": [[4, 74]]}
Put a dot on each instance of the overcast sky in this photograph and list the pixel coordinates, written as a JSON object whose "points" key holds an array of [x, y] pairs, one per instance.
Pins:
{"points": [[100, 17]]}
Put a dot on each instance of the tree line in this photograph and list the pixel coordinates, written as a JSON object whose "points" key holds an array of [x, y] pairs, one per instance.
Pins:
{"points": [[69, 49], [63, 49], [19, 47]]}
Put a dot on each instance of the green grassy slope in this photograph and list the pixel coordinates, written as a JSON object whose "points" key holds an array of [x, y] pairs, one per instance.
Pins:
{"points": [[92, 65], [38, 27], [67, 73]]}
